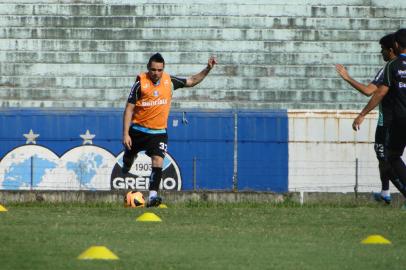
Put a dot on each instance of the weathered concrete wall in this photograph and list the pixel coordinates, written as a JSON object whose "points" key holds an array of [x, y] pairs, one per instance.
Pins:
{"points": [[117, 197], [271, 54], [326, 155], [12, 197]]}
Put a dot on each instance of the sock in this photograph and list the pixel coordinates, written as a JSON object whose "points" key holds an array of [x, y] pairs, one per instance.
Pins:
{"points": [[152, 193], [155, 179], [128, 160], [385, 193], [386, 173]]}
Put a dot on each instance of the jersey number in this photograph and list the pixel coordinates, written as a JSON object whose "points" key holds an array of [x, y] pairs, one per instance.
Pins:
{"points": [[163, 146]]}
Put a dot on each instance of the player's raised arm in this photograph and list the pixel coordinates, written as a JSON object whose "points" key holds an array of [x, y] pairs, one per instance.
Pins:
{"points": [[197, 78], [366, 90]]}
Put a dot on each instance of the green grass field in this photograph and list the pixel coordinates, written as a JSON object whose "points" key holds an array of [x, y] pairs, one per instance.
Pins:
{"points": [[192, 236]]}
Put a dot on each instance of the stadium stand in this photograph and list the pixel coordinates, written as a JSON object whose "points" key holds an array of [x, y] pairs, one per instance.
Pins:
{"points": [[272, 54]]}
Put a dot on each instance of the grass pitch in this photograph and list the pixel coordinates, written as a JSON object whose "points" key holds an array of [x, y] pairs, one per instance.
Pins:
{"points": [[203, 236]]}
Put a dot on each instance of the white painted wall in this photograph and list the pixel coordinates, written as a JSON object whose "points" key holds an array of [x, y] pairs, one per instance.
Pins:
{"points": [[323, 149]]}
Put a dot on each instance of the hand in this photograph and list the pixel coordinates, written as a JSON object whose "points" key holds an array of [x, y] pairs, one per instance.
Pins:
{"points": [[356, 125], [127, 142], [342, 72], [212, 61]]}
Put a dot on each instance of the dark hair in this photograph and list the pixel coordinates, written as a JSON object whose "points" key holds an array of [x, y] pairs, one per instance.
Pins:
{"points": [[388, 41], [400, 38], [156, 58]]}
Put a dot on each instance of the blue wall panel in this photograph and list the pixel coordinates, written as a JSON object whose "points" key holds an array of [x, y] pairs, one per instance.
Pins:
{"points": [[208, 136], [263, 151], [60, 130]]}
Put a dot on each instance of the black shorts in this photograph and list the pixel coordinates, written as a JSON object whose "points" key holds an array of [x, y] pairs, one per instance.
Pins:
{"points": [[152, 144], [381, 142], [397, 137]]}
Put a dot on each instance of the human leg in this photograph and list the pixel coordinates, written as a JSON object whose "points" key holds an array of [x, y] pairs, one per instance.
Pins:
{"points": [[397, 143], [155, 181], [386, 175], [156, 150], [131, 154], [385, 171], [156, 173], [128, 160]]}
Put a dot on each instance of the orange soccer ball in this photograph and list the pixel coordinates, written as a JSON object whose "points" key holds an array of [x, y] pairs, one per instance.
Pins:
{"points": [[134, 199]]}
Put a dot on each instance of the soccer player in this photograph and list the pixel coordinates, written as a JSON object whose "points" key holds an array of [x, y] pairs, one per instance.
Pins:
{"points": [[393, 88], [146, 115], [386, 173]]}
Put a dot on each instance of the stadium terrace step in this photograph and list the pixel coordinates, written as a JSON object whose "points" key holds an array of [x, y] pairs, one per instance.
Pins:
{"points": [[50, 45], [178, 58], [241, 73], [220, 95], [125, 83], [181, 104], [208, 35], [355, 9], [249, 22], [219, 83]]}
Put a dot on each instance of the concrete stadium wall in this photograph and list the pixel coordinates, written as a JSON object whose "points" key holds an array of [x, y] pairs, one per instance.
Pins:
{"points": [[272, 54], [323, 152], [173, 197]]}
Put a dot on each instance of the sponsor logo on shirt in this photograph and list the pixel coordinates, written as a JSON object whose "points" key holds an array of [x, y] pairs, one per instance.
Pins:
{"points": [[402, 72], [402, 85], [154, 102]]}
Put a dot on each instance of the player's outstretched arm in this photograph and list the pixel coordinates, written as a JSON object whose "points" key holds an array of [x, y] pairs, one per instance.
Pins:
{"points": [[197, 78], [373, 102], [127, 115], [367, 90]]}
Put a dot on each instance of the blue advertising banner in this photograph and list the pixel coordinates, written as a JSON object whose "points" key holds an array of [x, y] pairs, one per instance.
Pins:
{"points": [[70, 149]]}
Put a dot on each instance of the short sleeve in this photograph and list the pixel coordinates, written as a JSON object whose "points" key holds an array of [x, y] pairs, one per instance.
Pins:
{"points": [[135, 91], [178, 82], [378, 79], [387, 75]]}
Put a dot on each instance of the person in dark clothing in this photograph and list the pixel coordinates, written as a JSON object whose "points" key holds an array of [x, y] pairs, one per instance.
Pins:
{"points": [[394, 86], [382, 129]]}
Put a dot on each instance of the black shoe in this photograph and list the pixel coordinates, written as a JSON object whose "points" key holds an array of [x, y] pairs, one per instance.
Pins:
{"points": [[154, 201]]}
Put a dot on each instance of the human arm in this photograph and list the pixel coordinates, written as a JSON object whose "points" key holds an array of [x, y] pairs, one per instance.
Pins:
{"points": [[128, 112], [127, 115], [373, 102], [366, 90], [197, 78]]}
